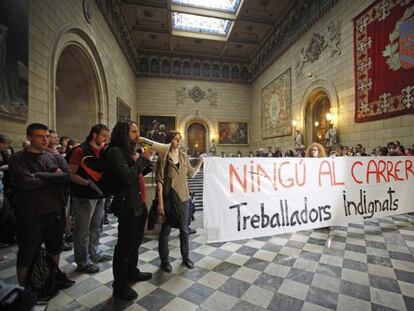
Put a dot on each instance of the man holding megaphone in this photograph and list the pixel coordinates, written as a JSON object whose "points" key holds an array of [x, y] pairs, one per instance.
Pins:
{"points": [[122, 169]]}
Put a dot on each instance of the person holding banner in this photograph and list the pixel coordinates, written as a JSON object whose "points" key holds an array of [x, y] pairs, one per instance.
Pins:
{"points": [[171, 176], [315, 150]]}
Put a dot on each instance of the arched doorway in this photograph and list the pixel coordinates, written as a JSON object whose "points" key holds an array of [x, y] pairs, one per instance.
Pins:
{"points": [[77, 98], [197, 137], [316, 123]]}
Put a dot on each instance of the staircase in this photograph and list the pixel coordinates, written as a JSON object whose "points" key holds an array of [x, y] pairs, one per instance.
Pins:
{"points": [[195, 185]]}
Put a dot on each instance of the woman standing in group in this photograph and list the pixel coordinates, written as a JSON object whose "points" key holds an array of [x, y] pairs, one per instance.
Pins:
{"points": [[171, 175]]}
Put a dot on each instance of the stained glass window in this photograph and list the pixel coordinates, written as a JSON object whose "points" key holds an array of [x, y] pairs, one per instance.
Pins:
{"points": [[196, 23], [222, 5]]}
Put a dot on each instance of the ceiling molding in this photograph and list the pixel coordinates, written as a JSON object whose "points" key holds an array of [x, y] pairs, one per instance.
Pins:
{"points": [[293, 19]]}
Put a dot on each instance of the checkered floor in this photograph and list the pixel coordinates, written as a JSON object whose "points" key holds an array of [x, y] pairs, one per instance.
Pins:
{"points": [[367, 266]]}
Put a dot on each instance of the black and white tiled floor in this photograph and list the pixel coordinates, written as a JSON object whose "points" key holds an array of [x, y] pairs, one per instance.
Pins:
{"points": [[367, 266]]}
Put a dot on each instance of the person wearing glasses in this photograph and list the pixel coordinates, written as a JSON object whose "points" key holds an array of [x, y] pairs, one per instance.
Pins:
{"points": [[39, 178]]}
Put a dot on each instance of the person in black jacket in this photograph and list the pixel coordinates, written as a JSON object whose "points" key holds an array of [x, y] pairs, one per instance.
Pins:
{"points": [[122, 167]]}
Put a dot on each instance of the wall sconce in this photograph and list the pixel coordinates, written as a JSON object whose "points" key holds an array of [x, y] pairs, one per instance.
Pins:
{"points": [[329, 117], [316, 123], [294, 123]]}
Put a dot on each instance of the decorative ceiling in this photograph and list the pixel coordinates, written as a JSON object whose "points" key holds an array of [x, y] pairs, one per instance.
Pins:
{"points": [[220, 40]]}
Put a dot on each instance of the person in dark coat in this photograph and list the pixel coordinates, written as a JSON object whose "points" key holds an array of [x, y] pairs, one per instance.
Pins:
{"points": [[122, 169]]}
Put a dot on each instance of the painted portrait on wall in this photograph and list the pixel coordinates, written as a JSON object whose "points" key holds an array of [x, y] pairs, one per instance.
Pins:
{"points": [[156, 127], [123, 111], [233, 133], [14, 51], [277, 107]]}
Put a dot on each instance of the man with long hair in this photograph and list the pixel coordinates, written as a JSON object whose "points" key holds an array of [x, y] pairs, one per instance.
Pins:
{"points": [[87, 202], [122, 169]]}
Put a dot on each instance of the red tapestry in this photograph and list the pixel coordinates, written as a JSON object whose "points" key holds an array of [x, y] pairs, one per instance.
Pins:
{"points": [[384, 60]]}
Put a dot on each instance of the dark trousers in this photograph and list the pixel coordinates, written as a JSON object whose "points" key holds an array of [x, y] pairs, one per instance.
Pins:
{"points": [[130, 235], [184, 237]]}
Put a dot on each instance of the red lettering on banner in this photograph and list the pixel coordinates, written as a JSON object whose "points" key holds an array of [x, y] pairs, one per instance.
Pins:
{"points": [[372, 169], [233, 174], [390, 168], [408, 168], [336, 183], [290, 180], [260, 169], [352, 171], [397, 170], [382, 165], [327, 172]]}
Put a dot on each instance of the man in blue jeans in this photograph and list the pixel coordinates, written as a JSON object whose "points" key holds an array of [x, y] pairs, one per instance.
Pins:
{"points": [[87, 202]]}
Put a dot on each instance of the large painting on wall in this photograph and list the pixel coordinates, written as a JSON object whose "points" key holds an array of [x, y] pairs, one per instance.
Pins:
{"points": [[233, 133], [277, 107], [123, 111], [14, 51], [384, 60], [156, 127]]}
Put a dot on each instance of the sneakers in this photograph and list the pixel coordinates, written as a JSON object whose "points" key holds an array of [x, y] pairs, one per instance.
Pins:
{"points": [[125, 293], [166, 267], [88, 269], [138, 276], [103, 258], [188, 263]]}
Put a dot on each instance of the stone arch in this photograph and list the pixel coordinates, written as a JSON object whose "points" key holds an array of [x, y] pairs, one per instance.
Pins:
{"points": [[189, 119], [316, 91], [71, 35]]}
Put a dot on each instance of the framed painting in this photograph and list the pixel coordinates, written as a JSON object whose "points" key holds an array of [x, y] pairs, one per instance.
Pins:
{"points": [[123, 111], [233, 133], [14, 49], [277, 107], [156, 127]]}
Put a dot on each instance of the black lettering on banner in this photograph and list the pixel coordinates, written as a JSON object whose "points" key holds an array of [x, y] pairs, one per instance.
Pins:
{"points": [[368, 208], [282, 217]]}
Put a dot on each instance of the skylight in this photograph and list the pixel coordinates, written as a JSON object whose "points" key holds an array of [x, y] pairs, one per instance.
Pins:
{"points": [[200, 24], [222, 5]]}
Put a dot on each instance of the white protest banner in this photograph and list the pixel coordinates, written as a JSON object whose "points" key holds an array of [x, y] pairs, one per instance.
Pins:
{"points": [[254, 197]]}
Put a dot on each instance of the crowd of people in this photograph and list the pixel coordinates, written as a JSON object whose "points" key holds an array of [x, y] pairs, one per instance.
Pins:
{"points": [[54, 192], [393, 148]]}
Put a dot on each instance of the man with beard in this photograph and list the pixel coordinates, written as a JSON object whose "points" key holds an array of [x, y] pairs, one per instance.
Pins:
{"points": [[122, 169], [87, 202]]}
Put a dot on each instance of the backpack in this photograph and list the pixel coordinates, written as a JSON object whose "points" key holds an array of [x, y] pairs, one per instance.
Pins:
{"points": [[44, 277]]}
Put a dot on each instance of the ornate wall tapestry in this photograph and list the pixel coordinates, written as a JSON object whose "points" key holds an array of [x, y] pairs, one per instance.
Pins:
{"points": [[277, 107], [384, 60], [14, 49]]}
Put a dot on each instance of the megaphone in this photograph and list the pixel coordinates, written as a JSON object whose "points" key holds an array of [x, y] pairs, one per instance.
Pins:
{"points": [[162, 149]]}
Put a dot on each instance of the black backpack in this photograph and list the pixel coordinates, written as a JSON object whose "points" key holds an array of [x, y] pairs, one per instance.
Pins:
{"points": [[44, 277]]}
